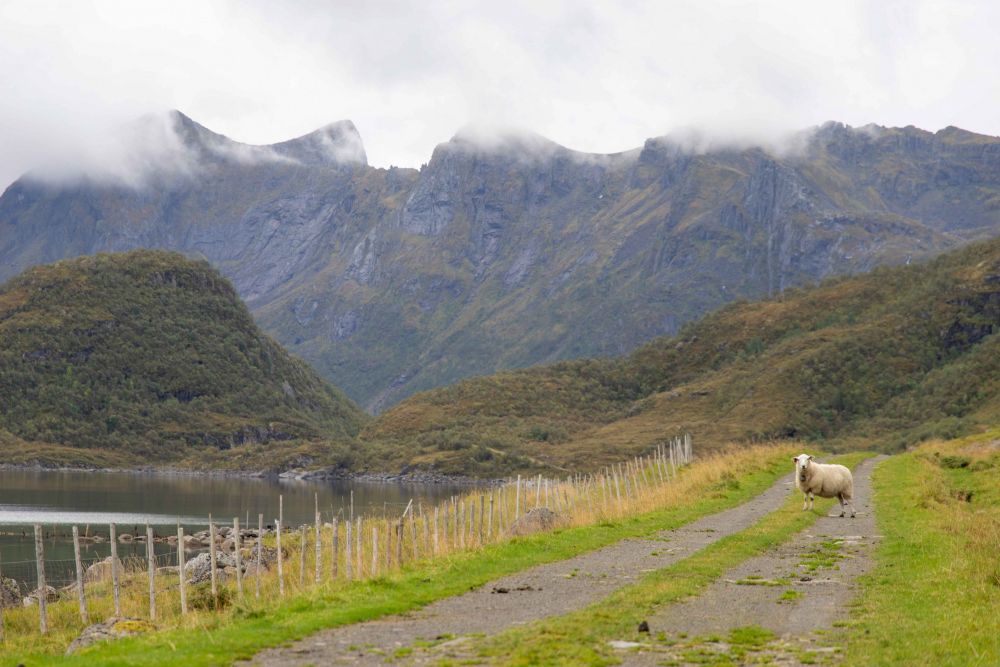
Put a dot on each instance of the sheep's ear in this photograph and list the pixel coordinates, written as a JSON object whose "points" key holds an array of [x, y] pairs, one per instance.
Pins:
{"points": [[795, 459], [810, 458]]}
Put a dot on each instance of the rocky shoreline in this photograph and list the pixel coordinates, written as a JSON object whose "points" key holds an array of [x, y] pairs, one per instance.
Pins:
{"points": [[318, 475]]}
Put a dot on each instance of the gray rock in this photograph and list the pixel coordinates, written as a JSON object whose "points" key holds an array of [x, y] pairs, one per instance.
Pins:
{"points": [[537, 519], [100, 571], [199, 569], [113, 628], [51, 595], [10, 593]]}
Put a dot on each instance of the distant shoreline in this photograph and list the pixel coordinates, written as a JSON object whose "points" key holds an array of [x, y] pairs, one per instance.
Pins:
{"points": [[320, 475]]}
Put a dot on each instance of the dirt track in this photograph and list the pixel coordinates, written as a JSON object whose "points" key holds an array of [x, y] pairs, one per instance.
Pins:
{"points": [[534, 594], [820, 567]]}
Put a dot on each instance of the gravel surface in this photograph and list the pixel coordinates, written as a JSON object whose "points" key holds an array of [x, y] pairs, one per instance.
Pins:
{"points": [[536, 593], [797, 592]]}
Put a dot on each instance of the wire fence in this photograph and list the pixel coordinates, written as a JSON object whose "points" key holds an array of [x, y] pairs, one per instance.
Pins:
{"points": [[261, 564]]}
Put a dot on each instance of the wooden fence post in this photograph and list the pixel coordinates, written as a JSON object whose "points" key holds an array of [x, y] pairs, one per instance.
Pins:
{"points": [[115, 588], [460, 521], [319, 543], [517, 500], [302, 557], [427, 532], [260, 553], [43, 619], [348, 566], [436, 544], [359, 547], [374, 550], [281, 558], [388, 545], [151, 567], [447, 522], [79, 577], [237, 556], [213, 559], [399, 544], [413, 532], [335, 546], [180, 569], [482, 517]]}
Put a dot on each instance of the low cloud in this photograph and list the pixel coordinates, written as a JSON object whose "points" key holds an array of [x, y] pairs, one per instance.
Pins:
{"points": [[590, 75]]}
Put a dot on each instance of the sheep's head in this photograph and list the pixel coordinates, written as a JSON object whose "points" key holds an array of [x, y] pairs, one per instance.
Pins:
{"points": [[801, 462]]}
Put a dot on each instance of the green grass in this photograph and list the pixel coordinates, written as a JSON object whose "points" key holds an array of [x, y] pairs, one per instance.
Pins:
{"points": [[934, 595], [581, 637], [249, 630], [790, 595]]}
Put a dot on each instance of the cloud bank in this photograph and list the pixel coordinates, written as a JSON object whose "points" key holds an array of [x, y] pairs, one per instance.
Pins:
{"points": [[591, 75]]}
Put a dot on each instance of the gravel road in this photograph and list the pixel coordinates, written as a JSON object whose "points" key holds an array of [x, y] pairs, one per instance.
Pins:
{"points": [[531, 595]]}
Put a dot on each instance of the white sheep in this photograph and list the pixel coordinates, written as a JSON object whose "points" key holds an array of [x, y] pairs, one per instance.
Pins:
{"points": [[825, 481]]}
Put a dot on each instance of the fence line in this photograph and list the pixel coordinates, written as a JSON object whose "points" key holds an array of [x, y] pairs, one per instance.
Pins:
{"points": [[470, 521]]}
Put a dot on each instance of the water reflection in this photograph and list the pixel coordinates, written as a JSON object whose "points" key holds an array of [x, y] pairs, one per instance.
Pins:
{"points": [[92, 500]]}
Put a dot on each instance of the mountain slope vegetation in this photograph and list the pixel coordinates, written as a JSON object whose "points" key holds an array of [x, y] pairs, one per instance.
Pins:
{"points": [[149, 358], [508, 251], [888, 358]]}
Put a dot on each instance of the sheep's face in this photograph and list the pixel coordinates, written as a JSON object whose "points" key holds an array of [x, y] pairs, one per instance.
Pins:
{"points": [[802, 462]]}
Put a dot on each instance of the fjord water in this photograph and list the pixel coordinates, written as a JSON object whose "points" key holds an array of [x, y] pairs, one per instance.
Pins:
{"points": [[92, 500]]}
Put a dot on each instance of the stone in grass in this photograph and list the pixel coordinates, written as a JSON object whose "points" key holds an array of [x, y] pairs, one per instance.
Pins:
{"points": [[10, 593], [101, 571], [51, 595], [622, 644], [199, 568], [537, 519], [113, 628], [644, 627]]}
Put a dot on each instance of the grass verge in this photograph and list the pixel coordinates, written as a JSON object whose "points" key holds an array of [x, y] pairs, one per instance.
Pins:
{"points": [[214, 640], [581, 638], [934, 595]]}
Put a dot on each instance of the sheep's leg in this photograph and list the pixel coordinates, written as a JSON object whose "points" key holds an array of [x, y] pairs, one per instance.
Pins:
{"points": [[805, 501], [850, 501], [812, 499], [840, 497]]}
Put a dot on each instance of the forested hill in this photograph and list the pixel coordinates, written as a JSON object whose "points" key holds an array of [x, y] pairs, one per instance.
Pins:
{"points": [[886, 359], [149, 358]]}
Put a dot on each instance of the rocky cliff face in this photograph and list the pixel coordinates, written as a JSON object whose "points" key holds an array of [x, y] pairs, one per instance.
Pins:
{"points": [[514, 251]]}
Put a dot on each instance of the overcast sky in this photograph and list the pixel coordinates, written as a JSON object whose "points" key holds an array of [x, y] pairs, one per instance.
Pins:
{"points": [[595, 76]]}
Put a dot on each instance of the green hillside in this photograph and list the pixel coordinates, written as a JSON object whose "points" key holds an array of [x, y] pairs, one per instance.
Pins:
{"points": [[149, 358], [890, 357]]}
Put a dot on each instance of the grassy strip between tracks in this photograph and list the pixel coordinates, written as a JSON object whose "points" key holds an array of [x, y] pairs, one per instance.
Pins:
{"points": [[705, 487], [581, 638], [933, 597]]}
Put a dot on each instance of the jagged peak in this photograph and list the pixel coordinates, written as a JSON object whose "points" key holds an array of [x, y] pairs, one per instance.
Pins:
{"points": [[335, 144], [338, 142]]}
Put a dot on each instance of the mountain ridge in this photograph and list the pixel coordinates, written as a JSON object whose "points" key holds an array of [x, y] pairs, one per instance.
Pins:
{"points": [[393, 281]]}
